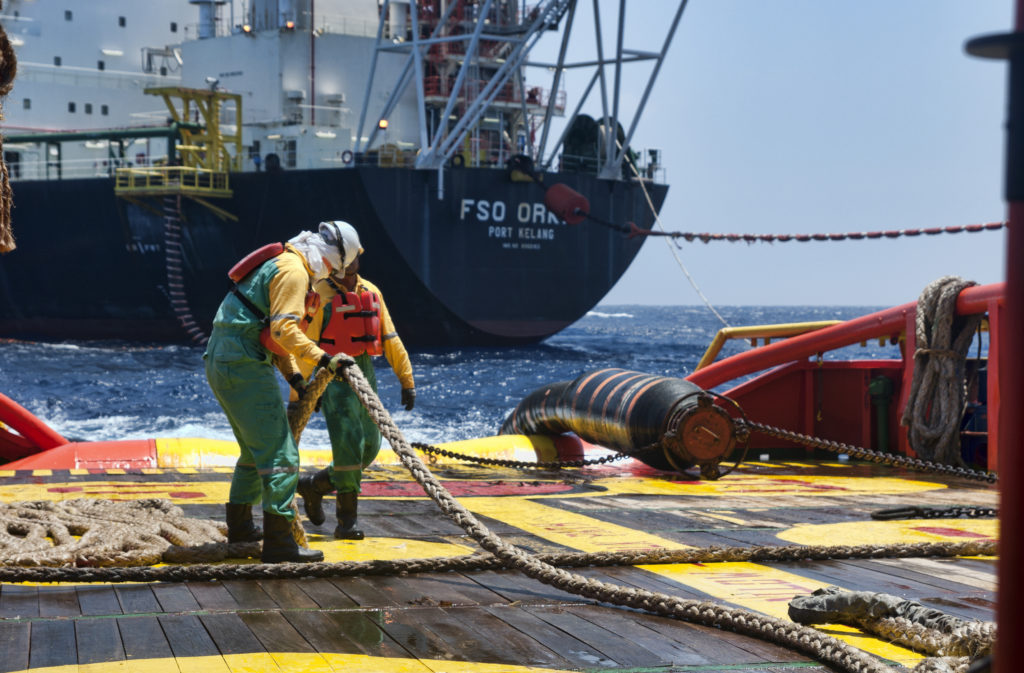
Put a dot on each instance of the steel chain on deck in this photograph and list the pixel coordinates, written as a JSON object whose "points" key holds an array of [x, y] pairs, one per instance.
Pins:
{"points": [[504, 462], [860, 453]]}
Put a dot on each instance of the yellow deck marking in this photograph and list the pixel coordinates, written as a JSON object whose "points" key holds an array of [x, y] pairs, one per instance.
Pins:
{"points": [[748, 585], [198, 452], [769, 590], [153, 666], [207, 492], [573, 530], [382, 548], [179, 492], [255, 662], [292, 662], [892, 532], [768, 485]]}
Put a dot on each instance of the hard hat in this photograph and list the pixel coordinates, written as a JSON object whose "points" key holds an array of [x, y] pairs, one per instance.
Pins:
{"points": [[344, 237]]}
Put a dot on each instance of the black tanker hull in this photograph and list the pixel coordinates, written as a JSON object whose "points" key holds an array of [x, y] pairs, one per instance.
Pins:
{"points": [[475, 261]]}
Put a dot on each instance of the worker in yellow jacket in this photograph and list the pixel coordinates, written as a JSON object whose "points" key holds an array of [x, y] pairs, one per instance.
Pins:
{"points": [[355, 439], [264, 314]]}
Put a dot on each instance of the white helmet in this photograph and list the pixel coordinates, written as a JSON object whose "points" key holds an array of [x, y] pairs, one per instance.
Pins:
{"points": [[344, 237]]}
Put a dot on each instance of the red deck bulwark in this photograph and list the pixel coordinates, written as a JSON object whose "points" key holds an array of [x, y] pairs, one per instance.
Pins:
{"points": [[129, 454]]}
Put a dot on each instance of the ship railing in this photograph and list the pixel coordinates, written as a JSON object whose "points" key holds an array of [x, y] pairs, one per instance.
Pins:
{"points": [[436, 87], [26, 163], [346, 25], [752, 333], [153, 180], [91, 78], [589, 164]]}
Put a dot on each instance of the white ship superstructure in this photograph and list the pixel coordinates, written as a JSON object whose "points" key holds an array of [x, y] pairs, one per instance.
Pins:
{"points": [[80, 68]]}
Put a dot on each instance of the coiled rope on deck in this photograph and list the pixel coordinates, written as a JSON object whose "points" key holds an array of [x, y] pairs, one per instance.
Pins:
{"points": [[938, 391], [907, 623], [96, 533]]}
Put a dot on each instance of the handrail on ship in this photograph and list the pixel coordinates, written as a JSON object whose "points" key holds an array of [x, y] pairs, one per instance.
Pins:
{"points": [[755, 332], [990, 299], [977, 299]]}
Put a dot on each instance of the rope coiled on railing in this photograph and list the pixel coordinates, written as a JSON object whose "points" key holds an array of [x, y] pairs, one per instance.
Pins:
{"points": [[938, 391]]}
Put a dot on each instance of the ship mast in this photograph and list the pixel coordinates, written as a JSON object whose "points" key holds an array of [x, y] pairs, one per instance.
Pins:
{"points": [[466, 61]]}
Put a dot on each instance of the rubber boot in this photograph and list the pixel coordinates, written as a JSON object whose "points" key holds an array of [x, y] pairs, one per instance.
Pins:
{"points": [[278, 544], [240, 525], [348, 503], [313, 489]]}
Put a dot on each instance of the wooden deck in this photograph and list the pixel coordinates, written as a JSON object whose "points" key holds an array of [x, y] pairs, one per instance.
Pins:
{"points": [[501, 620]]}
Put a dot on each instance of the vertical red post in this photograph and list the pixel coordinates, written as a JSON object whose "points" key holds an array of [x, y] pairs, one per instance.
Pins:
{"points": [[1009, 614]]}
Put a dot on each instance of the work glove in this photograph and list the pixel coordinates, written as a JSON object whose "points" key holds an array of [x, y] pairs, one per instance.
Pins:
{"points": [[332, 363], [408, 398], [298, 384]]}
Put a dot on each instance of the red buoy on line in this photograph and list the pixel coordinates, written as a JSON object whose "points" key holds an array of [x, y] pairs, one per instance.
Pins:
{"points": [[567, 203]]}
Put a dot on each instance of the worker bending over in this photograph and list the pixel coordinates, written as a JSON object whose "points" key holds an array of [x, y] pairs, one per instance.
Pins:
{"points": [[263, 313], [355, 321]]}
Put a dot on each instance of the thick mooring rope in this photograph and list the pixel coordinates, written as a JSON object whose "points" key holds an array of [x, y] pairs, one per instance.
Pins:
{"points": [[210, 552], [894, 619], [8, 70], [94, 533], [938, 394]]}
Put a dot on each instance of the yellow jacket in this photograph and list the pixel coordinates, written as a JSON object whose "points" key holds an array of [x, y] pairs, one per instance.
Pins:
{"points": [[279, 290], [394, 350]]}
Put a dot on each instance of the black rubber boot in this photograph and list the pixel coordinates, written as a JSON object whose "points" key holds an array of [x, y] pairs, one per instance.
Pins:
{"points": [[278, 544], [240, 525], [313, 489], [346, 508]]}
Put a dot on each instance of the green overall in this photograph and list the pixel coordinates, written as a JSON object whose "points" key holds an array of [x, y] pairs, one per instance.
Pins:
{"points": [[355, 438], [242, 378]]}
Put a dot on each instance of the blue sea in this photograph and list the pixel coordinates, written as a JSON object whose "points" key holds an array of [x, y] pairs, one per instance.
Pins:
{"points": [[93, 391]]}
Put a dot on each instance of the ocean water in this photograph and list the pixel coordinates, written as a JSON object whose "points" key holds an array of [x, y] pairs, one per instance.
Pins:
{"points": [[104, 391]]}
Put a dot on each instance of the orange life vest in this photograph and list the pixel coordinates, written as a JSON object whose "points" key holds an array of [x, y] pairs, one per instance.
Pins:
{"points": [[354, 327], [250, 263]]}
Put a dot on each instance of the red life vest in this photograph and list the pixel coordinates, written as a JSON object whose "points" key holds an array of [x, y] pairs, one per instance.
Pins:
{"points": [[354, 327], [250, 263]]}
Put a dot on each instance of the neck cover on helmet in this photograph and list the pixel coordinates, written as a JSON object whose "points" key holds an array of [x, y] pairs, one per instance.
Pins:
{"points": [[315, 249]]}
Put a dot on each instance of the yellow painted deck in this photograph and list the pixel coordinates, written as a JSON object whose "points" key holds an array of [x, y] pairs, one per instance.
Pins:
{"points": [[492, 621]]}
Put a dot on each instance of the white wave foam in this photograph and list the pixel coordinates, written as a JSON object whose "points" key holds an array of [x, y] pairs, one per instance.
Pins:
{"points": [[600, 314]]}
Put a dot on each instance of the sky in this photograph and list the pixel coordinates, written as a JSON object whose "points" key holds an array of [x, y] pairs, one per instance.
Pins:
{"points": [[815, 116]]}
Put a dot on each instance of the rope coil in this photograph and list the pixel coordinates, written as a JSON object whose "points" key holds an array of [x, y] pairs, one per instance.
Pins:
{"points": [[938, 392]]}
